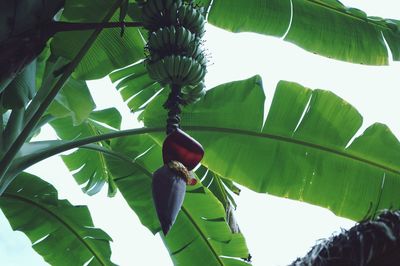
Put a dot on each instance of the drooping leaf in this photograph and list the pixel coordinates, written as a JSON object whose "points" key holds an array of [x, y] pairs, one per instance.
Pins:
{"points": [[201, 235], [131, 162], [36, 151], [15, 121], [135, 85], [303, 151], [216, 184], [60, 232], [73, 100], [90, 168], [325, 27], [110, 50], [22, 89]]}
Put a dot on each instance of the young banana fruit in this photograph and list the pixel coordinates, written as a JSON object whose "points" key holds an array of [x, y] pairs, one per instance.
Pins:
{"points": [[175, 51]]}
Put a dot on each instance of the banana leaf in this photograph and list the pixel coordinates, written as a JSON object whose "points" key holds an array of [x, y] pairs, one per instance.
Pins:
{"points": [[202, 226], [304, 150], [22, 89], [135, 85], [325, 27], [60, 232], [201, 235], [89, 168], [73, 100], [110, 50]]}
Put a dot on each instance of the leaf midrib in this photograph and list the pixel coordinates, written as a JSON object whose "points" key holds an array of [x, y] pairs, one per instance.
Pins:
{"points": [[60, 220], [140, 131], [103, 164], [366, 20], [293, 141]]}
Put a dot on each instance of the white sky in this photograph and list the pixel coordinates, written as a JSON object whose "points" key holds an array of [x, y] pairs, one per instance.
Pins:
{"points": [[277, 230]]}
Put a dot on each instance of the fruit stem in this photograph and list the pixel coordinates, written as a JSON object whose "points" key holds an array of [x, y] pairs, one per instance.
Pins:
{"points": [[174, 109]]}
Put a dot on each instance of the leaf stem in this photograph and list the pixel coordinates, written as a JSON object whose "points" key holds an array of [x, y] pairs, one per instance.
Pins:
{"points": [[62, 26], [14, 127], [67, 145], [31, 124]]}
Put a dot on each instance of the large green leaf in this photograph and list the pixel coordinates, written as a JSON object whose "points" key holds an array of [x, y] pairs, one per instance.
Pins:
{"points": [[62, 233], [303, 152], [90, 168], [326, 27], [131, 162], [135, 85], [110, 50], [73, 100], [22, 89], [200, 235], [33, 152]]}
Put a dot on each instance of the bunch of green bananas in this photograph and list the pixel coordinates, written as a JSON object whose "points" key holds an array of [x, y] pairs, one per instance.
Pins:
{"points": [[175, 50]]}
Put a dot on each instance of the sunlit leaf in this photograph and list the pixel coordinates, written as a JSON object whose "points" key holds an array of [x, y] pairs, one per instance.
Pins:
{"points": [[110, 50], [303, 152], [62, 233], [201, 235], [325, 27], [135, 85], [89, 168]]}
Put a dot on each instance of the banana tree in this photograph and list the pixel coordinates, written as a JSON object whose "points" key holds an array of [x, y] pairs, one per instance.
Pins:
{"points": [[303, 150]]}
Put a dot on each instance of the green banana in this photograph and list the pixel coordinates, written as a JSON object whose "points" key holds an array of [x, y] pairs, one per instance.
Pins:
{"points": [[194, 68], [182, 15], [160, 34], [168, 4], [200, 76], [151, 5], [146, 14], [152, 43], [165, 36], [176, 55], [172, 14], [196, 97], [198, 88], [161, 67], [159, 5], [191, 38], [191, 19], [185, 37], [172, 36], [186, 67], [159, 39], [175, 69], [179, 68], [169, 66], [202, 59], [192, 94]]}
